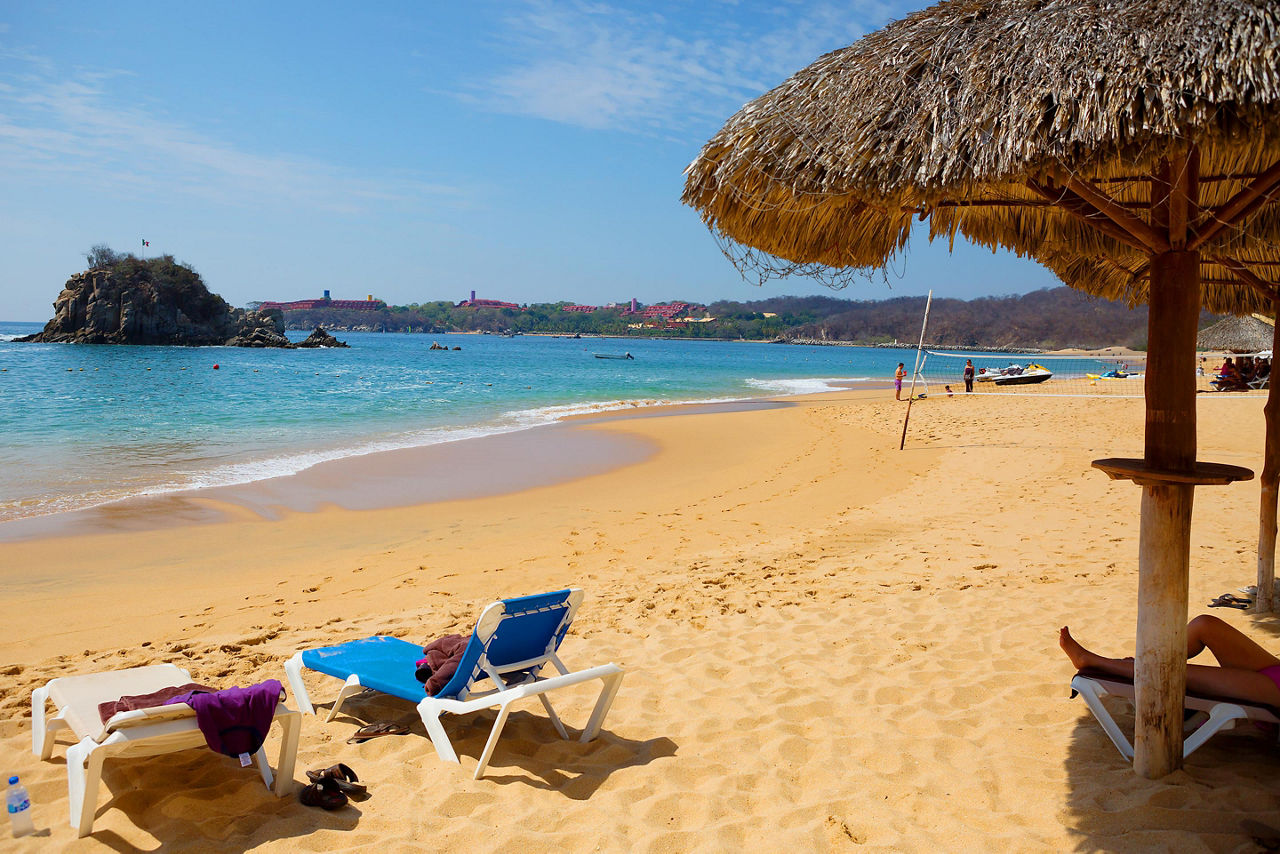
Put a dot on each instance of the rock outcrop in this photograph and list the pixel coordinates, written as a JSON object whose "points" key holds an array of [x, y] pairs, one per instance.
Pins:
{"points": [[153, 301], [320, 338]]}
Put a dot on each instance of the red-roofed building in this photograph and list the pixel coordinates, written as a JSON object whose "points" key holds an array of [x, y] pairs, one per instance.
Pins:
{"points": [[369, 304], [486, 303]]}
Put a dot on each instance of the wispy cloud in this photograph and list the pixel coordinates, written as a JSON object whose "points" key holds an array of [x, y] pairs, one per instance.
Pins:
{"points": [[74, 124], [595, 65]]}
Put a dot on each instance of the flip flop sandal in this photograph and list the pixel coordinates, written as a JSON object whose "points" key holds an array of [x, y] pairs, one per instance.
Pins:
{"points": [[317, 795], [1226, 600], [339, 777], [374, 730]]}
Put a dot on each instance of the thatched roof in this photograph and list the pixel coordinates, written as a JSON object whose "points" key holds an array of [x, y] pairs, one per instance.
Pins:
{"points": [[1246, 334], [993, 118]]}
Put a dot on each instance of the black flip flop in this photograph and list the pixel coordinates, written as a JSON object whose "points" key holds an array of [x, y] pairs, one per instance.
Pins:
{"points": [[339, 777], [317, 795], [376, 729]]}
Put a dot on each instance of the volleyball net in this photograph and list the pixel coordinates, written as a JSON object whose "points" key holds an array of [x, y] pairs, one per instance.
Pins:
{"points": [[1035, 374]]}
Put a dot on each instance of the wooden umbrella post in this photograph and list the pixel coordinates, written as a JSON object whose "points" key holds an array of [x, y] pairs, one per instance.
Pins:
{"points": [[1265, 602], [1164, 547]]}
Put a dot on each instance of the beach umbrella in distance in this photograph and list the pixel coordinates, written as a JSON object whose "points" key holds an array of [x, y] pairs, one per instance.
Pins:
{"points": [[1132, 146], [1248, 334]]}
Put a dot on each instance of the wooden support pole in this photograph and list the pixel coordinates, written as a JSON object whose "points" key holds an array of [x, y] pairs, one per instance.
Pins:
{"points": [[1239, 206], [1156, 240], [1270, 483], [1077, 207], [1164, 547]]}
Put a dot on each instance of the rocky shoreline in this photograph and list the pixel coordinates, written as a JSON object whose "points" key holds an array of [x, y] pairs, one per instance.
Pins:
{"points": [[157, 301]]}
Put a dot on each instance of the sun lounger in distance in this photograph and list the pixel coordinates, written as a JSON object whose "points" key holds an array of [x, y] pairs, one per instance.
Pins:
{"points": [[142, 732], [512, 641], [1223, 711]]}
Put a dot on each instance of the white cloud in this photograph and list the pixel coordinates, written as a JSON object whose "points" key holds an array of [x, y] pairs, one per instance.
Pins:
{"points": [[595, 65], [72, 124]]}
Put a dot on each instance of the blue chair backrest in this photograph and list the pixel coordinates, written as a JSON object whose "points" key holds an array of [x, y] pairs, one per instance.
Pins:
{"points": [[523, 630]]}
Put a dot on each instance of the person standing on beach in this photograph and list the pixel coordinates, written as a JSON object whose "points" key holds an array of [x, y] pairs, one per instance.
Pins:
{"points": [[897, 380], [968, 375]]}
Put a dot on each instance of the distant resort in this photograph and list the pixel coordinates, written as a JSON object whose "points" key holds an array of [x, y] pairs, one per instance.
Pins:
{"points": [[1040, 320], [366, 304], [640, 316]]}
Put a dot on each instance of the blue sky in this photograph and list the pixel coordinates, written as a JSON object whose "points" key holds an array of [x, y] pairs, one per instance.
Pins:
{"points": [[531, 151]]}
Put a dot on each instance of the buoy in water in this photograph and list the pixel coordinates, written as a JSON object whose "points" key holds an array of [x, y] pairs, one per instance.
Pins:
{"points": [[215, 366]]}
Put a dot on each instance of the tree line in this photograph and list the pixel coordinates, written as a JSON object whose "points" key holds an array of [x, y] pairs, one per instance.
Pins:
{"points": [[1049, 319]]}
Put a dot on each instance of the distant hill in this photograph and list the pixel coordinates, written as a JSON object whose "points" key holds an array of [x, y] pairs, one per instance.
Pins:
{"points": [[1047, 319]]}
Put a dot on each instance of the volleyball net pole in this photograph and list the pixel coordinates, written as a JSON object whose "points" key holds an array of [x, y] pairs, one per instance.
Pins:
{"points": [[911, 396]]}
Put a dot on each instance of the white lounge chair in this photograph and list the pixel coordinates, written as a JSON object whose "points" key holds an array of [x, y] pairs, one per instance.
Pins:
{"points": [[144, 732], [513, 640], [1223, 711]]}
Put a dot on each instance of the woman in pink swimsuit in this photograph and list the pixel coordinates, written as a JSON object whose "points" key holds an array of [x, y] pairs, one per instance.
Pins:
{"points": [[1245, 670]]}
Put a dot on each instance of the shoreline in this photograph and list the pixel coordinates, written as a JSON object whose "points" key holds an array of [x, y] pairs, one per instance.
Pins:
{"points": [[455, 470], [347, 478]]}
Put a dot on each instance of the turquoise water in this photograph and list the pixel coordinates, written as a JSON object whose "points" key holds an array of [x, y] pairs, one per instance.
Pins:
{"points": [[83, 425]]}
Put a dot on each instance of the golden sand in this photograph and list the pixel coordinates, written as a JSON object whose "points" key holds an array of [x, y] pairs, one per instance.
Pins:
{"points": [[830, 644]]}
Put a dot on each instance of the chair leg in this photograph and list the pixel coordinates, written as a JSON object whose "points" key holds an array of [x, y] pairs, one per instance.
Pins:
{"points": [[1221, 715], [439, 738], [493, 739], [84, 771], [293, 672], [555, 719], [352, 686], [264, 769], [608, 691], [291, 726], [1092, 693]]}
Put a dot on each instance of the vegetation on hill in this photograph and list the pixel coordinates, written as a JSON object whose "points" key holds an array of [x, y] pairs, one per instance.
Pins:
{"points": [[1049, 319]]}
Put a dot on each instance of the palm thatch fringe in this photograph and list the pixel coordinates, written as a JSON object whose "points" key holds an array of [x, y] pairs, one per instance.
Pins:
{"points": [[1237, 335]]}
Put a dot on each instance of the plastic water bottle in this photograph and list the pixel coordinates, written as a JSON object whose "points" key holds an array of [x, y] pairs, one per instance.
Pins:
{"points": [[19, 803]]}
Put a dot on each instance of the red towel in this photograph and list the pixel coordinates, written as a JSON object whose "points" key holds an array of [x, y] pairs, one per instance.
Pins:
{"points": [[442, 656], [133, 702]]}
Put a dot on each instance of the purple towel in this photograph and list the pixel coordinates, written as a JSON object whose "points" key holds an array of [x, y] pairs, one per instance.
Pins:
{"points": [[235, 721]]}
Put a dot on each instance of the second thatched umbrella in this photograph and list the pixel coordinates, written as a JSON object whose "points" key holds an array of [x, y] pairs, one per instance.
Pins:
{"points": [[1133, 146], [1237, 335]]}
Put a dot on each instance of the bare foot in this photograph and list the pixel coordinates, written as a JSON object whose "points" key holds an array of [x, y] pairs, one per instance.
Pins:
{"points": [[1080, 657]]}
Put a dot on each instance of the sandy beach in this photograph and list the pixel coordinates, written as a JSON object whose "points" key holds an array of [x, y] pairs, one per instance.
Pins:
{"points": [[830, 644]]}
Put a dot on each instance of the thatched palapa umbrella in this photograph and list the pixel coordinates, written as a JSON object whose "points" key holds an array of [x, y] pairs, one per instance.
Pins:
{"points": [[1247, 334], [1133, 146]]}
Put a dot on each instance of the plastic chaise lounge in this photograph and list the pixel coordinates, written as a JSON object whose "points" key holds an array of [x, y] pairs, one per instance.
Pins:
{"points": [[1223, 712], [502, 663], [143, 732]]}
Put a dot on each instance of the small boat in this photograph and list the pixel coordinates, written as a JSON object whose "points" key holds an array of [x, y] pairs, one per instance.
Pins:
{"points": [[614, 356], [1015, 375]]}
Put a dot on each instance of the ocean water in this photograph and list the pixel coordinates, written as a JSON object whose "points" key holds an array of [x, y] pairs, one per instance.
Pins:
{"points": [[83, 425]]}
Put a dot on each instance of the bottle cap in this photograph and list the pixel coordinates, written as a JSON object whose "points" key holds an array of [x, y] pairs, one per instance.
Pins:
{"points": [[12, 780]]}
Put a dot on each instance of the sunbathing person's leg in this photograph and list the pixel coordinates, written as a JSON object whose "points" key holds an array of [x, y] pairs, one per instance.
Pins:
{"points": [[1240, 657], [1233, 682], [1082, 658], [1232, 647]]}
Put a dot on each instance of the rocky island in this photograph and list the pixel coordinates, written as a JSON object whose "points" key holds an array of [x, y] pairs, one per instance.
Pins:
{"points": [[123, 299]]}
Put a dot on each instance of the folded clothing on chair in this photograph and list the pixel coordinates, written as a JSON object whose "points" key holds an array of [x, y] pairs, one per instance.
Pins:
{"points": [[235, 721], [133, 702], [442, 658]]}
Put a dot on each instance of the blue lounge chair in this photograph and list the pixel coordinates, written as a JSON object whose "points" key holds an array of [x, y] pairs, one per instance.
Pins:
{"points": [[513, 640]]}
